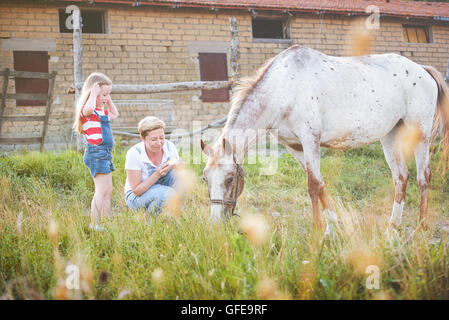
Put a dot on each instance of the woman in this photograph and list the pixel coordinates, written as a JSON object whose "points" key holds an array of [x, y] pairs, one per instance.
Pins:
{"points": [[148, 165]]}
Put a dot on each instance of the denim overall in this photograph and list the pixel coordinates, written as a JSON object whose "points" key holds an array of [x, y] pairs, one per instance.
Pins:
{"points": [[98, 158], [156, 196]]}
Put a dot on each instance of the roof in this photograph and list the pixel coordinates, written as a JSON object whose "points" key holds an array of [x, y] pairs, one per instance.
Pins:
{"points": [[396, 8]]}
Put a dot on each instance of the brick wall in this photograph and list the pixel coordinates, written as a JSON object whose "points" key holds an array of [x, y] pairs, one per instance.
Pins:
{"points": [[154, 45]]}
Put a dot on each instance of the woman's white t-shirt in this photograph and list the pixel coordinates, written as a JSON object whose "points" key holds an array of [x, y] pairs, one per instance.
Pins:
{"points": [[137, 159]]}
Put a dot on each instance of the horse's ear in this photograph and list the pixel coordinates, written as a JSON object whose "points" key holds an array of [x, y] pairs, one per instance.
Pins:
{"points": [[227, 147], [206, 149]]}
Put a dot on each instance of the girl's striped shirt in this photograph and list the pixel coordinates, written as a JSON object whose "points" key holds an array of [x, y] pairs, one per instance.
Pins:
{"points": [[92, 126]]}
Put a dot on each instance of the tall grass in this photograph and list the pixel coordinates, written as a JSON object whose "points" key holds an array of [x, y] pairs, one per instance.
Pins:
{"points": [[44, 221]]}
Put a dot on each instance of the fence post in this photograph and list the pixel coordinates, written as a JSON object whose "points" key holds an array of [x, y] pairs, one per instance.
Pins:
{"points": [[77, 65], [47, 110], [235, 55], [4, 90]]}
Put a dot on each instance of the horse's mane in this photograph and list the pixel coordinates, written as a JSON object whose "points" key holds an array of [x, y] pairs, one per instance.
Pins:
{"points": [[242, 91]]}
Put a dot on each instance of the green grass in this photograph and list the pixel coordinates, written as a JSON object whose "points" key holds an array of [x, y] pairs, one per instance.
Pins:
{"points": [[202, 261]]}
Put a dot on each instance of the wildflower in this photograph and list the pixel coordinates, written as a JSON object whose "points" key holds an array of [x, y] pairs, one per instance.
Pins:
{"points": [[157, 276], [360, 257], [123, 294], [361, 39], [19, 222], [53, 231], [60, 292], [173, 206], [268, 289], [408, 138], [255, 228]]}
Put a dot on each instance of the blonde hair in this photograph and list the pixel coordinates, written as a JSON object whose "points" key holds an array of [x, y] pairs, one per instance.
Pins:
{"points": [[92, 79], [148, 124]]}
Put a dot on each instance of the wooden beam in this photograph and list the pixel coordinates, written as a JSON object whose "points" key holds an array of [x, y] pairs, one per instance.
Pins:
{"points": [[23, 118], [166, 87], [129, 129], [47, 110], [169, 87], [78, 65], [26, 96], [26, 74], [20, 140], [216, 124], [4, 94], [235, 55]]}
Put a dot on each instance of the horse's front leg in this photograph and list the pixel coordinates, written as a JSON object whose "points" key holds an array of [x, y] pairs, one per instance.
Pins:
{"points": [[299, 156], [312, 169], [315, 183], [313, 187], [331, 217]]}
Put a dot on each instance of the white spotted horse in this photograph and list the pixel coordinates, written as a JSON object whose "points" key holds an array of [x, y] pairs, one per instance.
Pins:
{"points": [[311, 100]]}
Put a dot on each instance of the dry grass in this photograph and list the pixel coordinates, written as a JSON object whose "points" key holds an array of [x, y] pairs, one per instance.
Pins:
{"points": [[272, 252]]}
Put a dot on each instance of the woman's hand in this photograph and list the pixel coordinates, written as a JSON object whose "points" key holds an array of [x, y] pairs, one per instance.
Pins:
{"points": [[176, 163], [164, 169]]}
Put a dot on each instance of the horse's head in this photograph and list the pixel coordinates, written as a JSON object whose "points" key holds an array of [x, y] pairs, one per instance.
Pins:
{"points": [[224, 177]]}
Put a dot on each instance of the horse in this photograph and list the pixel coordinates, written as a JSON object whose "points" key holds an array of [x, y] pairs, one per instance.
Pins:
{"points": [[314, 100]]}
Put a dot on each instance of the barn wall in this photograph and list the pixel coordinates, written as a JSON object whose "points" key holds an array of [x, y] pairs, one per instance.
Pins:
{"points": [[157, 45]]}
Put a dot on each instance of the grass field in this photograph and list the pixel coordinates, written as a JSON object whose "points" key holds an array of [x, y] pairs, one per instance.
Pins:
{"points": [[44, 207]]}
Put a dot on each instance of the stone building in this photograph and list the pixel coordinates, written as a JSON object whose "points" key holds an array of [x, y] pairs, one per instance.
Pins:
{"points": [[162, 41]]}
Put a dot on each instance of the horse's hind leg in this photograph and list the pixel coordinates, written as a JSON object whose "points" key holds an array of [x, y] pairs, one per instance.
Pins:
{"points": [[398, 167], [423, 172]]}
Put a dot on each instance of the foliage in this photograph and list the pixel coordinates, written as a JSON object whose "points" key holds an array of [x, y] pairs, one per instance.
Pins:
{"points": [[44, 207]]}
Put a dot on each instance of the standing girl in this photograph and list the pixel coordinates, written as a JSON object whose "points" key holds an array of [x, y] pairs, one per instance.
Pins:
{"points": [[94, 109]]}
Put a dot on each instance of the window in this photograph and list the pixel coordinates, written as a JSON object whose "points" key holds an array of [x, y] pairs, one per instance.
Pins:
{"points": [[93, 21], [33, 61], [214, 67], [269, 28], [416, 34]]}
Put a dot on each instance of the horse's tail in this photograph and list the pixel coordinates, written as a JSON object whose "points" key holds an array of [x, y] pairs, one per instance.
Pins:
{"points": [[441, 121]]}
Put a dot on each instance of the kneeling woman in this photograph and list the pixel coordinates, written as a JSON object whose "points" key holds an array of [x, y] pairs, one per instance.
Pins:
{"points": [[148, 165]]}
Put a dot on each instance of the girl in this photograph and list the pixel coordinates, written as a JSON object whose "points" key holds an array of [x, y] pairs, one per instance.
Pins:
{"points": [[92, 120]]}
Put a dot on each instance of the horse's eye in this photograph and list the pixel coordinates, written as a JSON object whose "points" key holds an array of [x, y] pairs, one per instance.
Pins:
{"points": [[204, 178], [229, 180]]}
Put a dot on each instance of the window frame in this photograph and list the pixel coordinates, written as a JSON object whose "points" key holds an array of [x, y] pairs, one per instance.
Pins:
{"points": [[204, 98], [105, 20], [286, 26], [427, 31], [21, 82]]}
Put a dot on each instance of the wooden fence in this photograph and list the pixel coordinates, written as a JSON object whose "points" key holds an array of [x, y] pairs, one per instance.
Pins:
{"points": [[7, 73]]}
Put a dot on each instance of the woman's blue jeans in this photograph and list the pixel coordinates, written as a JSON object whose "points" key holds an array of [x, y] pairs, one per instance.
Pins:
{"points": [[154, 198]]}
